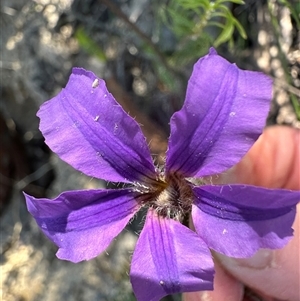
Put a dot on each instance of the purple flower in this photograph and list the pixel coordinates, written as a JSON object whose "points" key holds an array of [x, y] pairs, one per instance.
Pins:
{"points": [[223, 114]]}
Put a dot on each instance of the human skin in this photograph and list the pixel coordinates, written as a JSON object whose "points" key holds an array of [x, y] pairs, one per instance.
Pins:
{"points": [[273, 162]]}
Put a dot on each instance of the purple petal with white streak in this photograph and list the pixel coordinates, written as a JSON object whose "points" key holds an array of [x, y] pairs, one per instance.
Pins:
{"points": [[224, 113], [83, 223], [88, 129], [169, 258], [237, 220]]}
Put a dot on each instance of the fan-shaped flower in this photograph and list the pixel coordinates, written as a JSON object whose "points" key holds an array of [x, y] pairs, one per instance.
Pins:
{"points": [[222, 116]]}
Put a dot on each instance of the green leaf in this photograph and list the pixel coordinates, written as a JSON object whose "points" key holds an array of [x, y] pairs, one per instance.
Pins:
{"points": [[225, 34], [233, 1], [240, 28], [225, 9], [216, 24], [219, 14]]}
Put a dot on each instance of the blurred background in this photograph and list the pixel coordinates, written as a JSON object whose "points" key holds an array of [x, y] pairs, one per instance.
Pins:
{"points": [[145, 50]]}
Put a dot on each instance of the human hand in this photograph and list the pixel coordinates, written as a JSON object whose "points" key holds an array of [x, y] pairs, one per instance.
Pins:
{"points": [[273, 162]]}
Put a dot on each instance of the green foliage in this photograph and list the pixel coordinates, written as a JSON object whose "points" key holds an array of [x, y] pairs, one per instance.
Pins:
{"points": [[199, 24]]}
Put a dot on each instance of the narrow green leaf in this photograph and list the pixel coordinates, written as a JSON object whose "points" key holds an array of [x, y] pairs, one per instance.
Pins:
{"points": [[240, 28], [233, 1], [216, 24], [225, 9], [225, 34]]}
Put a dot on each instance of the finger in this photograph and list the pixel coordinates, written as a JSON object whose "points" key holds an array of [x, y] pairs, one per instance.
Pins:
{"points": [[273, 161]]}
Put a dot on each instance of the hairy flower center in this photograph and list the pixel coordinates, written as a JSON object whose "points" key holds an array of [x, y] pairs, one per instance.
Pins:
{"points": [[171, 197]]}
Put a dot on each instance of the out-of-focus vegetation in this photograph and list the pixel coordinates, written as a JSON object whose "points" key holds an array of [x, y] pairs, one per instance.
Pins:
{"points": [[196, 25], [199, 24]]}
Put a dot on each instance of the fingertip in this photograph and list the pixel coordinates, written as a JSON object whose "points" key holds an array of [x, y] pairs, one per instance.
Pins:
{"points": [[284, 153], [273, 161]]}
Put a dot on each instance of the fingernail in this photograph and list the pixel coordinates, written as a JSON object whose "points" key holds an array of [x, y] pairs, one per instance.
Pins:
{"points": [[197, 296], [260, 260]]}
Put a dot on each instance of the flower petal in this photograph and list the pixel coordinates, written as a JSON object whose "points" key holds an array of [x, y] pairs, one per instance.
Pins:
{"points": [[88, 129], [237, 220], [224, 113], [169, 258], [82, 223]]}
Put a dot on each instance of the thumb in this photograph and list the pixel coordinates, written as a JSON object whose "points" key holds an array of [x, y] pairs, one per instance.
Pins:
{"points": [[274, 161]]}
